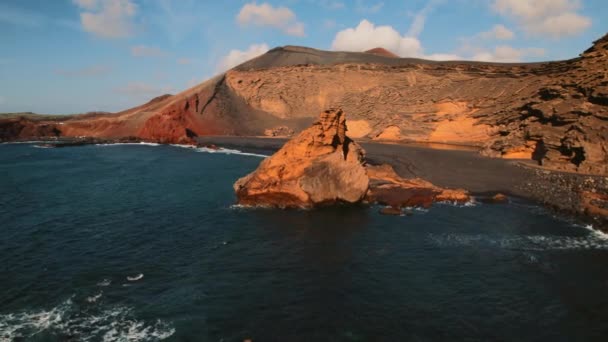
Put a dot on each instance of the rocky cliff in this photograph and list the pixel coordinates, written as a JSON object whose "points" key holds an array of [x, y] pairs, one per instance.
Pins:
{"points": [[553, 112]]}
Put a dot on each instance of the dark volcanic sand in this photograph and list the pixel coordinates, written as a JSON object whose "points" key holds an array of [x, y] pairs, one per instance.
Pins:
{"points": [[446, 168]]}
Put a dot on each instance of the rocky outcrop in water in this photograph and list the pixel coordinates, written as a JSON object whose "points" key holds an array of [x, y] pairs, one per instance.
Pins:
{"points": [[319, 166], [322, 166]]}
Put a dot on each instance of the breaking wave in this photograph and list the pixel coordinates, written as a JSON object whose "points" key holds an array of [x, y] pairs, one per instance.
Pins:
{"points": [[470, 203], [85, 322], [133, 144], [594, 240], [220, 150], [135, 277]]}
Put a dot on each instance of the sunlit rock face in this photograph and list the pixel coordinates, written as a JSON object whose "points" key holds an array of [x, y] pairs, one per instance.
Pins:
{"points": [[320, 166]]}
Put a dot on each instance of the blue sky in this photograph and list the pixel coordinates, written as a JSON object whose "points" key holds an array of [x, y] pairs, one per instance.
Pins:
{"points": [[71, 56]]}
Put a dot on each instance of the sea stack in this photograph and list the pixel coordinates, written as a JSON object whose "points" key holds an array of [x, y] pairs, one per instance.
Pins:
{"points": [[320, 166]]}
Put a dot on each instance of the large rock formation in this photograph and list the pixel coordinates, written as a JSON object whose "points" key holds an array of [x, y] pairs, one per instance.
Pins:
{"points": [[319, 166], [324, 166], [553, 112]]}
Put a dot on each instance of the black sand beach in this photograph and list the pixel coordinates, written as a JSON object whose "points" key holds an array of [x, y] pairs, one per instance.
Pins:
{"points": [[446, 168]]}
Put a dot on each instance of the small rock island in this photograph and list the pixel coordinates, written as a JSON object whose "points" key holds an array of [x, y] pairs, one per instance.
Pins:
{"points": [[323, 166]]}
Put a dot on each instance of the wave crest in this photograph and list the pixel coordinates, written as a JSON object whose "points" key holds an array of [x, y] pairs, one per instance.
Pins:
{"points": [[592, 241], [82, 323]]}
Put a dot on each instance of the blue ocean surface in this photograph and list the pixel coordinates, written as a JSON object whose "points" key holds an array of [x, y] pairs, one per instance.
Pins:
{"points": [[143, 243]]}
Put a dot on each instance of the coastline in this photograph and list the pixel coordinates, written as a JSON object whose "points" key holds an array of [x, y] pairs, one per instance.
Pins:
{"points": [[567, 193], [482, 176]]}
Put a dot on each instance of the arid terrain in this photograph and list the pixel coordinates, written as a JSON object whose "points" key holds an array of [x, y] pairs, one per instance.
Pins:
{"points": [[552, 112]]}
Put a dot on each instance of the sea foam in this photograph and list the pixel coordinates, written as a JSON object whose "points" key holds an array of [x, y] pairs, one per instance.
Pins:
{"points": [[593, 241], [92, 323], [220, 150], [132, 144]]}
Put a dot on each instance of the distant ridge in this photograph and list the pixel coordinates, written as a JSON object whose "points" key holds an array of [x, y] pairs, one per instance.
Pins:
{"points": [[382, 52]]}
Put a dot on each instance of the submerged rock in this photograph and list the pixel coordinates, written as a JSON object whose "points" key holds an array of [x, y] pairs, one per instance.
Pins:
{"points": [[319, 166], [390, 211]]}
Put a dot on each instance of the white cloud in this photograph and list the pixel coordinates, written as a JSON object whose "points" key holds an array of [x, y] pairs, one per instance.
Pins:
{"points": [[555, 18], [236, 57], [499, 32], [367, 36], [147, 51], [90, 71], [419, 20], [107, 18], [443, 57], [281, 18], [142, 89], [506, 54]]}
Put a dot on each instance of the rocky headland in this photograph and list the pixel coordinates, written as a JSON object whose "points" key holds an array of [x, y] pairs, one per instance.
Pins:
{"points": [[323, 166]]}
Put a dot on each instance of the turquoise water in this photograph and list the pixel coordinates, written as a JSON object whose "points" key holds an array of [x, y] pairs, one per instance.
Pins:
{"points": [[143, 243]]}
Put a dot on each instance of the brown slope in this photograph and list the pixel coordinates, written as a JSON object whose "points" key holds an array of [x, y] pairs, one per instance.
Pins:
{"points": [[555, 112]]}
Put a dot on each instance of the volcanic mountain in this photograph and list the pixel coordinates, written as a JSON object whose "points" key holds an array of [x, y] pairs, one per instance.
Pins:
{"points": [[553, 112]]}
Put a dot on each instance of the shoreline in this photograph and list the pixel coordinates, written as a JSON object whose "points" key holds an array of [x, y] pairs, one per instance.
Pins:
{"points": [[481, 176]]}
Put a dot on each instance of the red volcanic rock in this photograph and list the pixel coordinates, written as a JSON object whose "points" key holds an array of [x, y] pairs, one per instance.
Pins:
{"points": [[391, 211], [594, 204], [496, 199], [319, 166], [281, 131], [15, 128], [388, 188], [382, 52], [398, 196]]}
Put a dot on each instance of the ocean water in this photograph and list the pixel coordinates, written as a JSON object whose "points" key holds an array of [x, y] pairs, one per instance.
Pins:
{"points": [[143, 243]]}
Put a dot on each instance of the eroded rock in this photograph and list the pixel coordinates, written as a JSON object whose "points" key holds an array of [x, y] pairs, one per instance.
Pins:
{"points": [[319, 166]]}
